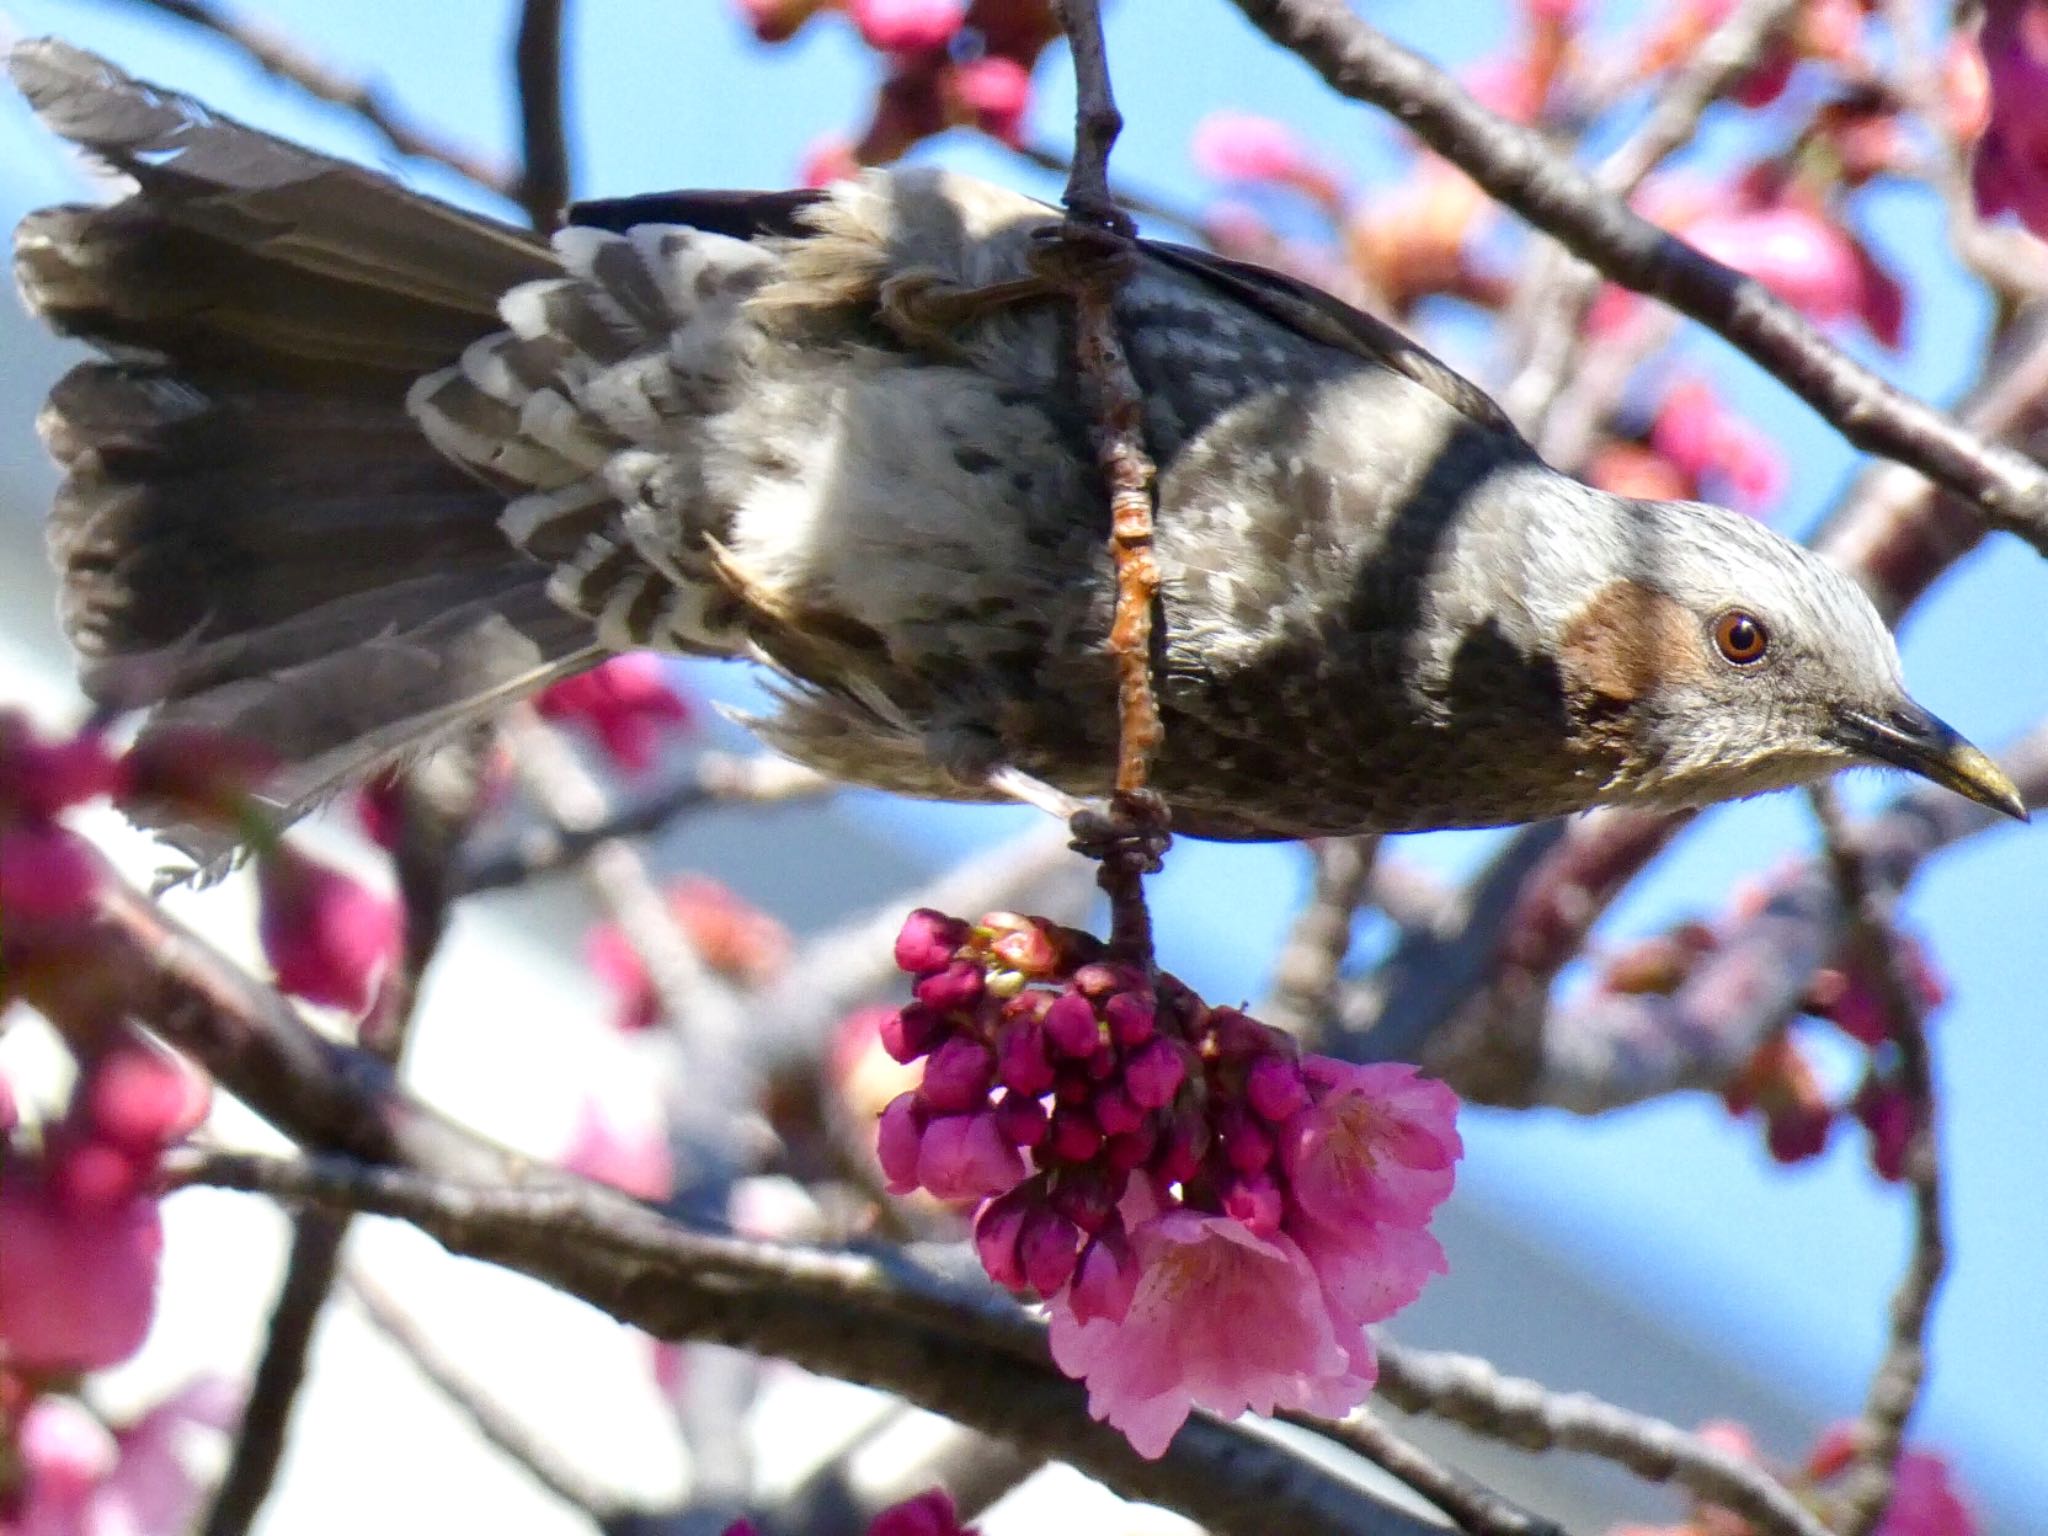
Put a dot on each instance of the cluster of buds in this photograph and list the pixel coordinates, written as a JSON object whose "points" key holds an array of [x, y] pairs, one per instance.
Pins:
{"points": [[1169, 1176], [949, 63], [1779, 1083]]}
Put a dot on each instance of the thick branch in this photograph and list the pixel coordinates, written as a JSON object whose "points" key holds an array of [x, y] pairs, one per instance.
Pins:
{"points": [[875, 1320], [1519, 168], [1478, 1510]]}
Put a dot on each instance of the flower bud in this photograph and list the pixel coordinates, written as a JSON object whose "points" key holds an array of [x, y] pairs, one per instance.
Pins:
{"points": [[959, 985], [1254, 1199], [959, 1075], [1132, 1018], [1070, 1026], [1046, 1250], [928, 941], [897, 1136], [1115, 1112], [964, 1157], [1021, 1059], [913, 1031], [1022, 1120], [1075, 1136], [1154, 1075], [1106, 1277], [1274, 1089], [996, 1231]]}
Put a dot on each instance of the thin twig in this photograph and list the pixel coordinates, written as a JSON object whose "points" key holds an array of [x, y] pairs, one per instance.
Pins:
{"points": [[1144, 204], [544, 180], [715, 778], [1895, 1385], [1468, 1391], [1519, 168], [1476, 1509], [278, 56], [1095, 255], [490, 1418]]}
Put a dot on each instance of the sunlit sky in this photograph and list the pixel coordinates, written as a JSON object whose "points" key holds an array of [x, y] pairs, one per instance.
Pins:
{"points": [[1788, 1271]]}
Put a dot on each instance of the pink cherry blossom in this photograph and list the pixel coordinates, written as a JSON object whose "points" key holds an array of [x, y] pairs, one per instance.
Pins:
{"points": [[627, 704], [77, 1275], [1924, 1501], [82, 1479], [141, 1098], [1716, 447], [1242, 146], [1806, 259], [1221, 1319], [907, 26], [329, 938], [2010, 173], [1378, 1145], [996, 93], [630, 1156]]}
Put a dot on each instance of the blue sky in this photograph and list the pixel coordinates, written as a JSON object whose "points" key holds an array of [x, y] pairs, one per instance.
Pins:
{"points": [[1788, 1271]]}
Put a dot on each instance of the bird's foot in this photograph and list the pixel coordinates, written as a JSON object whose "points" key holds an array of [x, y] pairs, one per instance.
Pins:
{"points": [[1131, 829], [929, 310], [1082, 252]]}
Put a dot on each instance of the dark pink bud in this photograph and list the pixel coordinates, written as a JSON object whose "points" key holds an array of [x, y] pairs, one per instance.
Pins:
{"points": [[929, 1514], [47, 874], [1240, 1037], [912, 1031], [141, 1099], [1154, 1075], [1074, 1086], [898, 1134], [89, 1175], [928, 941], [1115, 1112], [199, 772], [959, 1075], [1254, 1200], [1023, 944], [1101, 1066], [1022, 1120], [1182, 1149], [1075, 1136], [1133, 1018], [329, 938], [1070, 1026], [40, 778], [1246, 1146], [996, 1231], [1087, 1199], [1274, 1089], [1106, 1278], [1133, 1149], [1021, 1059], [1046, 1250], [1101, 978], [964, 1157], [959, 985], [1800, 1131]]}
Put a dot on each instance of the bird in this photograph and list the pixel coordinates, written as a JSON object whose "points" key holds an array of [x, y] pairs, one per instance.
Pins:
{"points": [[356, 469]]}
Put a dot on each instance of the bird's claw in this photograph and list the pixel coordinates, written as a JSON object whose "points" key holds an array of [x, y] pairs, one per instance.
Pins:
{"points": [[1130, 827], [1083, 250]]}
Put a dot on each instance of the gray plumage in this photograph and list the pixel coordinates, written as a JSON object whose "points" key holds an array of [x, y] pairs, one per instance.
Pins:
{"points": [[360, 468]]}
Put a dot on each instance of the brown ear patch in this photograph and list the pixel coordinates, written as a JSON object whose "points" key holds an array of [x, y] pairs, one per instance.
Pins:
{"points": [[1627, 641]]}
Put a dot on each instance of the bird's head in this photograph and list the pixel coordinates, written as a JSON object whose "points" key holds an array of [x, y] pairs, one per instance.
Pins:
{"points": [[1723, 660]]}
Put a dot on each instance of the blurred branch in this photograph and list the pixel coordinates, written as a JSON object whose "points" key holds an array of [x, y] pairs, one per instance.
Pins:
{"points": [[1895, 1386], [490, 1418], [974, 1469], [1519, 168], [714, 778], [1468, 1391], [1305, 974], [1143, 204], [543, 124], [276, 55], [1473, 1508]]}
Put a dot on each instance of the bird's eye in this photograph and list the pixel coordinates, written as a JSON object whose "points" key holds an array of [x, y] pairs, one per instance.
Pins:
{"points": [[1741, 638]]}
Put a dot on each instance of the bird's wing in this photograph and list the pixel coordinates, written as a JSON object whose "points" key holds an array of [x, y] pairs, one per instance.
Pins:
{"points": [[741, 215], [1309, 311]]}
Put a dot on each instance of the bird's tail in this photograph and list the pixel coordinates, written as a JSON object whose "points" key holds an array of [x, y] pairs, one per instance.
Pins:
{"points": [[252, 535]]}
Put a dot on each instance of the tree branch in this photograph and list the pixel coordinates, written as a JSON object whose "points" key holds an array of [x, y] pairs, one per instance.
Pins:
{"points": [[543, 124], [1519, 168], [1470, 1392], [276, 55], [1477, 1510]]}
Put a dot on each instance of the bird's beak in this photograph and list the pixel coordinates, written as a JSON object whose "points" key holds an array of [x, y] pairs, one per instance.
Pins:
{"points": [[1908, 737]]}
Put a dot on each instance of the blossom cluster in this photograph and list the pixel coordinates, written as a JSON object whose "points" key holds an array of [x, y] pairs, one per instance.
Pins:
{"points": [[1779, 1083], [1212, 1215], [947, 63]]}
